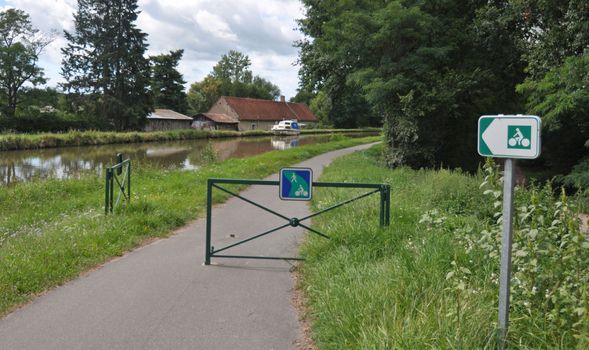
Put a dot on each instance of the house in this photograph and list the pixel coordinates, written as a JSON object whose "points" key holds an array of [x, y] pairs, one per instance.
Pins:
{"points": [[167, 119], [256, 114]]}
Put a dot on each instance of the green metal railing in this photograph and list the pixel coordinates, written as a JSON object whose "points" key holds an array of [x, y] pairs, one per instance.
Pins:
{"points": [[120, 174], [211, 252]]}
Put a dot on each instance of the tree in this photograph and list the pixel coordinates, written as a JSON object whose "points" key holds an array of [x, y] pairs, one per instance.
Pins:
{"points": [[231, 76], [321, 106], [20, 47], [552, 32], [424, 66], [264, 89], [203, 94], [323, 69], [233, 68], [167, 84], [104, 64], [556, 40]]}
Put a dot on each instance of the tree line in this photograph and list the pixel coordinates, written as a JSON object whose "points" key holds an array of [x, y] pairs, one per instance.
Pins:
{"points": [[429, 69], [109, 82]]}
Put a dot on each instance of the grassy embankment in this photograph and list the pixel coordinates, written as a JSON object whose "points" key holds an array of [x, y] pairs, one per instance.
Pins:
{"points": [[52, 230], [429, 281], [86, 138]]}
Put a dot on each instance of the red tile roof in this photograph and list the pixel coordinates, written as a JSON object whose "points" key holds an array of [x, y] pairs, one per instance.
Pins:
{"points": [[220, 118], [255, 109]]}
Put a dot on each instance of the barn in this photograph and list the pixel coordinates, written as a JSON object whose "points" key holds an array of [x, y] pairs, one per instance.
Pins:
{"points": [[167, 119], [214, 121]]}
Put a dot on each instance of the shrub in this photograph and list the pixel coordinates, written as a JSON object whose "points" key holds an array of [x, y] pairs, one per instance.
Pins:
{"points": [[550, 279]]}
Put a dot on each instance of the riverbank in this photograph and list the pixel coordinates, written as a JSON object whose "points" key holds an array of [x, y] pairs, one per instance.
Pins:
{"points": [[53, 230], [430, 279], [10, 142]]}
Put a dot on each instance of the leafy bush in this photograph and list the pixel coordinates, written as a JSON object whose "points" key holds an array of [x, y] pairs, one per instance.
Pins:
{"points": [[35, 119], [550, 279], [579, 178]]}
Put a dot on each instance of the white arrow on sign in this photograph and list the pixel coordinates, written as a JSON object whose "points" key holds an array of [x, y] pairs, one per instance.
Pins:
{"points": [[497, 139]]}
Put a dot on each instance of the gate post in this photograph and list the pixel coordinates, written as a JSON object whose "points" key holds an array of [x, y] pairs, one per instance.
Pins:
{"points": [[107, 191], [387, 205], [209, 217], [129, 182], [119, 161], [111, 189]]}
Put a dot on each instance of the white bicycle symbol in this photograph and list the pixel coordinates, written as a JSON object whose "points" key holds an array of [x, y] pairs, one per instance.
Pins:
{"points": [[518, 139], [301, 192]]}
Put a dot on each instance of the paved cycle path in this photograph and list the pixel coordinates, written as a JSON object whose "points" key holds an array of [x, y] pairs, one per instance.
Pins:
{"points": [[161, 296]]}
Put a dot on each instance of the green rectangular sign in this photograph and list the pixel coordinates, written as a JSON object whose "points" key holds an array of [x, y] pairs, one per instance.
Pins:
{"points": [[509, 136]]}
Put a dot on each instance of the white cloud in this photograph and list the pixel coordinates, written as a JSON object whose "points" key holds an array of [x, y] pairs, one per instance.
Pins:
{"points": [[214, 25], [206, 29]]}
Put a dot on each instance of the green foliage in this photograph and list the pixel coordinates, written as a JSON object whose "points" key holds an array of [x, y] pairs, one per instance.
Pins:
{"points": [[209, 154], [53, 230], [167, 84], [203, 94], [233, 68], [20, 47], [321, 107], [371, 287], [561, 97], [579, 178], [429, 68], [554, 31], [326, 65], [431, 278], [104, 66], [231, 76], [549, 296]]}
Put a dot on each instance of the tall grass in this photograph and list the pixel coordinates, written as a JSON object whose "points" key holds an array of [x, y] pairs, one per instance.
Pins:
{"points": [[86, 138], [419, 283], [52, 230]]}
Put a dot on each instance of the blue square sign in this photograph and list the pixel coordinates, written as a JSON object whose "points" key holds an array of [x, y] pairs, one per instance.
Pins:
{"points": [[296, 184]]}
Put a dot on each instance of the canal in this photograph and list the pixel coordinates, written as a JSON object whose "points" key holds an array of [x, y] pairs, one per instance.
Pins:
{"points": [[71, 162]]}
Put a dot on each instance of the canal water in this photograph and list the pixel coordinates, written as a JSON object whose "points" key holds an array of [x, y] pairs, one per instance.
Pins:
{"points": [[71, 162]]}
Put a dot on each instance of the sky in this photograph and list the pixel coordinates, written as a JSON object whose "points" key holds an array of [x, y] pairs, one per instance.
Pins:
{"points": [[265, 30]]}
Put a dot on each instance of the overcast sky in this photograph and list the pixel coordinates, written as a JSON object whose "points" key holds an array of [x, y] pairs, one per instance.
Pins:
{"points": [[206, 29]]}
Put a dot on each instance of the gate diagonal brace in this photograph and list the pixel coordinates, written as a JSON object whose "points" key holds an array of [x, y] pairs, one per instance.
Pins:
{"points": [[293, 222], [121, 185]]}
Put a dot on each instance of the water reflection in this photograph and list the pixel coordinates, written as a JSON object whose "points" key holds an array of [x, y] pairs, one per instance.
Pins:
{"points": [[284, 142], [71, 162]]}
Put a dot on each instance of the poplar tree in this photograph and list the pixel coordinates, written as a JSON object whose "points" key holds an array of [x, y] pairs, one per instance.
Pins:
{"points": [[104, 64]]}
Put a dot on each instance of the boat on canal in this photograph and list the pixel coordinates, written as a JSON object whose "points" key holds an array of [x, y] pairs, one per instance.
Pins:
{"points": [[286, 127]]}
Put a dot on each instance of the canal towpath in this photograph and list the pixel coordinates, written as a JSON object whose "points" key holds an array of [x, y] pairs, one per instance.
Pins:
{"points": [[161, 296]]}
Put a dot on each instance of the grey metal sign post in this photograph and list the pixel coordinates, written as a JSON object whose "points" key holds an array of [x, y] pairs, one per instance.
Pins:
{"points": [[506, 238], [510, 137]]}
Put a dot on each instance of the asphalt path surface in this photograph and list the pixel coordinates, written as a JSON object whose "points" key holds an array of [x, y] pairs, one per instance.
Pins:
{"points": [[161, 296]]}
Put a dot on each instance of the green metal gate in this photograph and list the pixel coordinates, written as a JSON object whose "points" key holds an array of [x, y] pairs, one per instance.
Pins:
{"points": [[120, 174], [211, 252]]}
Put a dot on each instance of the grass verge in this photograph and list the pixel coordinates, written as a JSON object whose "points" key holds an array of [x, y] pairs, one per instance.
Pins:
{"points": [[87, 138], [429, 280], [52, 230]]}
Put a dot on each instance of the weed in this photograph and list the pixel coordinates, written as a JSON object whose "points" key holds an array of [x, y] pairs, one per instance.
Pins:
{"points": [[430, 280]]}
